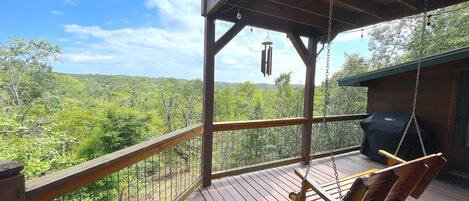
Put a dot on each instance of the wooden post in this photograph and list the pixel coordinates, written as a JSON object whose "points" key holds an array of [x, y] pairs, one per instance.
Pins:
{"points": [[309, 102], [308, 55], [208, 105], [211, 48], [12, 182]]}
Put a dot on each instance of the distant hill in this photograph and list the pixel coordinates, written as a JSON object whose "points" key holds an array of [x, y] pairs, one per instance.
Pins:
{"points": [[157, 79]]}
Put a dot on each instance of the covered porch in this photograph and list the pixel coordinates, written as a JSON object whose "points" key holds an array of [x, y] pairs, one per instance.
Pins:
{"points": [[191, 163]]}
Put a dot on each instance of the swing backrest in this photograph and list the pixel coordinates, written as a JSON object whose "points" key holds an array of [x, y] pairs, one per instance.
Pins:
{"points": [[399, 181]]}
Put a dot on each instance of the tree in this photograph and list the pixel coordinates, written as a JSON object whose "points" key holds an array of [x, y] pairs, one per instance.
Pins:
{"points": [[399, 41], [120, 129], [26, 70]]}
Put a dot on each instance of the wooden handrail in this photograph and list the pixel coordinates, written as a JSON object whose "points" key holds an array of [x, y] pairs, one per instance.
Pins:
{"points": [[253, 124], [62, 182], [342, 117]]}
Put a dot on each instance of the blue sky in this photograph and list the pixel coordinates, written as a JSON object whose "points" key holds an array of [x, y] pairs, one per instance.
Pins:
{"points": [[153, 38]]}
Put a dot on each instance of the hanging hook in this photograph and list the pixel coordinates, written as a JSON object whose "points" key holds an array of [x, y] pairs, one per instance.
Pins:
{"points": [[429, 23], [239, 16], [362, 34]]}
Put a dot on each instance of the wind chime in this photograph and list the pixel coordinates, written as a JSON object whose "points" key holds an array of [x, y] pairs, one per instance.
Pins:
{"points": [[266, 62]]}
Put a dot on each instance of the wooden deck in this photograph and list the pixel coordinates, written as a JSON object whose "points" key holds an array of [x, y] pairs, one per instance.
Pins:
{"points": [[277, 183]]}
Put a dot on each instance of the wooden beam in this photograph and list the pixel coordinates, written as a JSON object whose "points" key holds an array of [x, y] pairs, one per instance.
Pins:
{"points": [[370, 8], [266, 22], [208, 100], [62, 182], [228, 36], [319, 9], [407, 4], [301, 49], [211, 6], [308, 101], [281, 12], [253, 124]]}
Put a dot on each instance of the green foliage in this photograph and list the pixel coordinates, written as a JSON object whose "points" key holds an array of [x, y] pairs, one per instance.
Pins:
{"points": [[75, 118], [119, 129], [399, 41]]}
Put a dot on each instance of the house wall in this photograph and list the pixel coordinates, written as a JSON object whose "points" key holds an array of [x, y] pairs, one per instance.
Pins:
{"points": [[436, 101]]}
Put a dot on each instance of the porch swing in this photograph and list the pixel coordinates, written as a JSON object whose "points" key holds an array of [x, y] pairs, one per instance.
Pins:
{"points": [[397, 181]]}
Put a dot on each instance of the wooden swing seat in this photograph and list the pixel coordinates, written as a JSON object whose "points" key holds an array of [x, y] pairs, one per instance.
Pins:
{"points": [[399, 180]]}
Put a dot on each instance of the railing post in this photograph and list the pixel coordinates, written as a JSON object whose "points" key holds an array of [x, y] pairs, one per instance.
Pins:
{"points": [[208, 104], [12, 182]]}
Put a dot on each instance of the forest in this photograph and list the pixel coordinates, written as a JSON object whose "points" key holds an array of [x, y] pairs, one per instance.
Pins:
{"points": [[50, 121]]}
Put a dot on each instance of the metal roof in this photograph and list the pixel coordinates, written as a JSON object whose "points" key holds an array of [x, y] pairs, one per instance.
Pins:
{"points": [[430, 61]]}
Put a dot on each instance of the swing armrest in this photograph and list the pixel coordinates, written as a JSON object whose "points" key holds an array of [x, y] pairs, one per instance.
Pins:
{"points": [[392, 160], [321, 192]]}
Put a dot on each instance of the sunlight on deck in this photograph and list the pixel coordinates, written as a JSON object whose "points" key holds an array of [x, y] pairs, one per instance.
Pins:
{"points": [[277, 183]]}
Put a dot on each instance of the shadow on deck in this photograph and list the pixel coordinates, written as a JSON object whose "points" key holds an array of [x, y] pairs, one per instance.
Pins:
{"points": [[277, 183]]}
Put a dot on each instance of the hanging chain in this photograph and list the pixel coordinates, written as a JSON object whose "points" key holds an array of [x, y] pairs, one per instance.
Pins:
{"points": [[326, 102], [413, 117], [327, 97]]}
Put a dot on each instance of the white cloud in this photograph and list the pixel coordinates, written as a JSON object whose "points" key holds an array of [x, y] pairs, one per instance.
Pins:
{"points": [[175, 48], [85, 57], [56, 12]]}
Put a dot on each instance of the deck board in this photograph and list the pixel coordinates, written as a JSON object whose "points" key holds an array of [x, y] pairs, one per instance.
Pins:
{"points": [[277, 183]]}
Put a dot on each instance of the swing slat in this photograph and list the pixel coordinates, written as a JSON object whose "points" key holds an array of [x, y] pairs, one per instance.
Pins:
{"points": [[396, 182]]}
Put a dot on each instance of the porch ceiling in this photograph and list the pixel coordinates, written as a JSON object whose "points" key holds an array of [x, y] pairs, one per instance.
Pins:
{"points": [[310, 17]]}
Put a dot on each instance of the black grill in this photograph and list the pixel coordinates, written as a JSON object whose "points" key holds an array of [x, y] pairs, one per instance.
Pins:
{"points": [[384, 131]]}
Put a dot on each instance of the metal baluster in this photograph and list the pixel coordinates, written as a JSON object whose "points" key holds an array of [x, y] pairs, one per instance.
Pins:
{"points": [[222, 150], [145, 179], [79, 194], [152, 178], [187, 166], [118, 188], [176, 175], [138, 181], [94, 191], [128, 184], [171, 175], [165, 174], [106, 186], [199, 156], [191, 159], [159, 176]]}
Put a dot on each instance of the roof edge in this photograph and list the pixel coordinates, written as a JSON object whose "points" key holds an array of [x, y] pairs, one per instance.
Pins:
{"points": [[429, 61]]}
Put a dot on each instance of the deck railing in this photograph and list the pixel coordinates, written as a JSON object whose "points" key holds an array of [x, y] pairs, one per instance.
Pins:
{"points": [[245, 146], [158, 169], [169, 167]]}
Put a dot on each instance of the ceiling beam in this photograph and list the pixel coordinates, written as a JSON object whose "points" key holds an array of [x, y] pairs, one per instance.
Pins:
{"points": [[319, 9], [266, 22], [407, 4], [370, 8], [281, 12]]}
